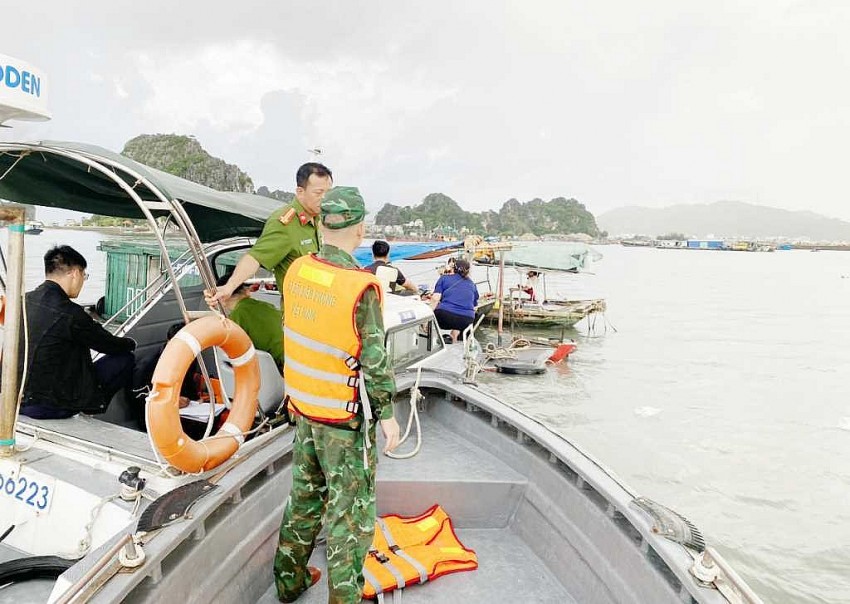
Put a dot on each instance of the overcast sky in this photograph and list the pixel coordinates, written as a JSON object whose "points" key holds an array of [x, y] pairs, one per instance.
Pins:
{"points": [[611, 102]]}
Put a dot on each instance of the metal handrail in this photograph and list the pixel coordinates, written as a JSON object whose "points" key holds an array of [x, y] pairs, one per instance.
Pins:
{"points": [[110, 169], [187, 229]]}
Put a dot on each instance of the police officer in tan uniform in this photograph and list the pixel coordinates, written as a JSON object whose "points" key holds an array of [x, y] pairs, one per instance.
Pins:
{"points": [[290, 232]]}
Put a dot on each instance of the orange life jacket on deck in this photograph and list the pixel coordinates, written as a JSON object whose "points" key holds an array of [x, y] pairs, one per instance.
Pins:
{"points": [[321, 343], [408, 551]]}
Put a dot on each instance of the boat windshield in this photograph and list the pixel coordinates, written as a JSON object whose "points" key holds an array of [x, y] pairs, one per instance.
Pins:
{"points": [[412, 342], [225, 262]]}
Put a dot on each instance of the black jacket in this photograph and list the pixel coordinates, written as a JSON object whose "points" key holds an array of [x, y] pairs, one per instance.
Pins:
{"points": [[61, 336]]}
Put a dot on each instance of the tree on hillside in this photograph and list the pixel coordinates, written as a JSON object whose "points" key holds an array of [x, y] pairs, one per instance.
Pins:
{"points": [[511, 219], [393, 214], [491, 223], [183, 156], [570, 216], [559, 215], [284, 196], [439, 210]]}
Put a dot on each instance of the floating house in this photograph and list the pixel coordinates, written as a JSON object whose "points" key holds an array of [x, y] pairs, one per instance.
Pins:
{"points": [[705, 244]]}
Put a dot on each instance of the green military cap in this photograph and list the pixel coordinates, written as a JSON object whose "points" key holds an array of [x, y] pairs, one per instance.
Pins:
{"points": [[345, 202]]}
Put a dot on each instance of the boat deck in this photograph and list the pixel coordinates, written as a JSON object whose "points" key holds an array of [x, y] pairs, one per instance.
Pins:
{"points": [[481, 495], [505, 566], [91, 433], [542, 532]]}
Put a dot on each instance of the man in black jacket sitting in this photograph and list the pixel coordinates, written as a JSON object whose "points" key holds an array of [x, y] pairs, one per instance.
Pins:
{"points": [[61, 378]]}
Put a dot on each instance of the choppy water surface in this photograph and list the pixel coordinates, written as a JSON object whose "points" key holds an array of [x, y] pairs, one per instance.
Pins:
{"points": [[723, 393]]}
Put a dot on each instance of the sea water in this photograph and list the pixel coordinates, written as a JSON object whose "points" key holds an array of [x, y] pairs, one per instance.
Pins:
{"points": [[718, 386]]}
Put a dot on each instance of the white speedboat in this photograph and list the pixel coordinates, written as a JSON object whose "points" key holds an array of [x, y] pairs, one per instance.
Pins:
{"points": [[89, 512], [34, 228]]}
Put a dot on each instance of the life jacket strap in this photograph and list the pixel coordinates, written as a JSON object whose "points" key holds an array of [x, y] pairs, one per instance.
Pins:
{"points": [[325, 376], [398, 551], [350, 361], [319, 401], [367, 416], [367, 574], [386, 563]]}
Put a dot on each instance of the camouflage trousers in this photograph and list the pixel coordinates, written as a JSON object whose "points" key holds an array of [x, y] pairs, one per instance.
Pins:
{"points": [[328, 478]]}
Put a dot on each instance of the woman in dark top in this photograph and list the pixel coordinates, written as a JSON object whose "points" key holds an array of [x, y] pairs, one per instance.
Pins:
{"points": [[455, 297]]}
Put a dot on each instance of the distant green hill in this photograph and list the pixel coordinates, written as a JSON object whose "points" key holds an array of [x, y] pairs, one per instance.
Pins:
{"points": [[183, 156], [558, 215]]}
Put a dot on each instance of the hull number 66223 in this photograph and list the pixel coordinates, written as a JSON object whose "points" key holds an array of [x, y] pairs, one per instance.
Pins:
{"points": [[27, 488]]}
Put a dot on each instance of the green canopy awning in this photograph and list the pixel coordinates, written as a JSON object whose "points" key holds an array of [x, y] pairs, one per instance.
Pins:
{"points": [[44, 178]]}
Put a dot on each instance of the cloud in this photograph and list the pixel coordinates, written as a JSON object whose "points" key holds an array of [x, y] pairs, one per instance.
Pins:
{"points": [[353, 108], [120, 90], [740, 101], [611, 102], [220, 84]]}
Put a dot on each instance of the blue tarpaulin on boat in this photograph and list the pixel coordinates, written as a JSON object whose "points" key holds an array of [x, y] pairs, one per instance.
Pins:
{"points": [[402, 251]]}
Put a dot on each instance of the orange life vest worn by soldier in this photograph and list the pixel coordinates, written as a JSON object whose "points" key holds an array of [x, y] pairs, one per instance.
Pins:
{"points": [[323, 378]]}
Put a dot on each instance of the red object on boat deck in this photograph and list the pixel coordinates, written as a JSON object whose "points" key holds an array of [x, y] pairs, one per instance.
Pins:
{"points": [[562, 352]]}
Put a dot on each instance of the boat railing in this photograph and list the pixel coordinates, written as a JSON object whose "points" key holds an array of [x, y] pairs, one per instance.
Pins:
{"points": [[116, 172], [258, 460], [83, 445]]}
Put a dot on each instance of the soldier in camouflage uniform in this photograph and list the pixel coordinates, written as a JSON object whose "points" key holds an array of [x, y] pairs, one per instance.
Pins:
{"points": [[333, 472]]}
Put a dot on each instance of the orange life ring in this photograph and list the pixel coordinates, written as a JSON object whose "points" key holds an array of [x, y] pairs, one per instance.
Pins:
{"points": [[162, 410]]}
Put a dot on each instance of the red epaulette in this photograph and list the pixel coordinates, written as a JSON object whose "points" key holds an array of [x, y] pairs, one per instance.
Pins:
{"points": [[287, 216]]}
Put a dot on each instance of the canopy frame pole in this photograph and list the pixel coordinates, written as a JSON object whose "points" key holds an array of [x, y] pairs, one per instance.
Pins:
{"points": [[501, 295], [187, 229], [94, 163], [100, 165], [181, 219], [12, 334]]}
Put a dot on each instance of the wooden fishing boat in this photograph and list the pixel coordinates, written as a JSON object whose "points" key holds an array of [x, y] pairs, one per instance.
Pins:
{"points": [[531, 303], [549, 313]]}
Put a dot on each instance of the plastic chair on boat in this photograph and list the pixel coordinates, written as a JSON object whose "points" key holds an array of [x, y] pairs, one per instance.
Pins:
{"points": [[272, 387], [387, 275]]}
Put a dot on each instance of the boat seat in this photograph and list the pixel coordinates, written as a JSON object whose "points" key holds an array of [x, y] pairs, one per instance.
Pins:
{"points": [[271, 382], [387, 275]]}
